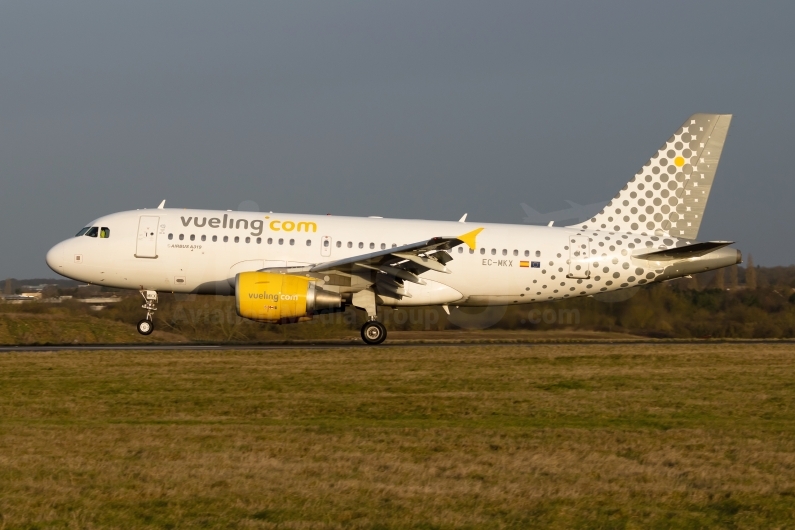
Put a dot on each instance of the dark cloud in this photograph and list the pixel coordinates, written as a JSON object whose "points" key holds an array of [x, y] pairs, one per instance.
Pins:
{"points": [[404, 109]]}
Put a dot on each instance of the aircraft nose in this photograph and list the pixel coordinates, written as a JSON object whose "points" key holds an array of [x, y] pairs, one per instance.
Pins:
{"points": [[55, 258]]}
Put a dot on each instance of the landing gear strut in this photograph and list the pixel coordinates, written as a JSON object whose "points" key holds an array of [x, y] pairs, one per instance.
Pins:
{"points": [[373, 332], [147, 325]]}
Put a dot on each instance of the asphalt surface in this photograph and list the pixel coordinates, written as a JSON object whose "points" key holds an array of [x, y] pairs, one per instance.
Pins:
{"points": [[173, 347], [357, 344]]}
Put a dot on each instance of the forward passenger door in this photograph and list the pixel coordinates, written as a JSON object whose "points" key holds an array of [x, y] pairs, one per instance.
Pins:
{"points": [[146, 245]]}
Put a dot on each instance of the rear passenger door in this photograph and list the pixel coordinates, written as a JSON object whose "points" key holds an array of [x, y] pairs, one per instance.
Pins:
{"points": [[579, 257]]}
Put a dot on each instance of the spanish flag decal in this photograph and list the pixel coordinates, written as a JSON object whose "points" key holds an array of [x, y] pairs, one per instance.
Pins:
{"points": [[524, 263]]}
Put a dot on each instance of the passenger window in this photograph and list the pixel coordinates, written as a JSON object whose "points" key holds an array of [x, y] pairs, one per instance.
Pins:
{"points": [[104, 232], [471, 250], [361, 245], [309, 243], [339, 244], [483, 251], [181, 237], [259, 241], [538, 253], [237, 239], [325, 243], [350, 244], [248, 240], [83, 231], [493, 251], [215, 238], [515, 252], [292, 241], [204, 238], [460, 250], [171, 236], [526, 253], [226, 239], [192, 237], [372, 246], [270, 241], [281, 241], [92, 232], [383, 246], [505, 252]]}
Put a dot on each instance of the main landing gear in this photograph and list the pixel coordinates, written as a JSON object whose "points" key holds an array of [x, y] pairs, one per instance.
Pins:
{"points": [[147, 325], [373, 332]]}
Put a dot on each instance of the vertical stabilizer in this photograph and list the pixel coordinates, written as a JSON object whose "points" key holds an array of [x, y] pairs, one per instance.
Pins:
{"points": [[669, 194]]}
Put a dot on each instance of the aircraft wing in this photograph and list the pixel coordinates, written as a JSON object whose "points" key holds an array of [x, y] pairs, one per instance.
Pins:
{"points": [[413, 259]]}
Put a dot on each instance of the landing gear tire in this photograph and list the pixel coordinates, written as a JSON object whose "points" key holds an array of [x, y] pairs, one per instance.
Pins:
{"points": [[146, 327], [373, 332]]}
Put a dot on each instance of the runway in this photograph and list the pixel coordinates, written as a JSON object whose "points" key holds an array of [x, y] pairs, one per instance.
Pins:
{"points": [[359, 344], [179, 347], [247, 347]]}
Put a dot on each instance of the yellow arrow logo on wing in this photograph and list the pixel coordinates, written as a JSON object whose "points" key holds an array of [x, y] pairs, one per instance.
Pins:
{"points": [[469, 238]]}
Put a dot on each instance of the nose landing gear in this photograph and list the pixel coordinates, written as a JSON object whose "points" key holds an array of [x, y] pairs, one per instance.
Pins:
{"points": [[373, 332], [147, 325]]}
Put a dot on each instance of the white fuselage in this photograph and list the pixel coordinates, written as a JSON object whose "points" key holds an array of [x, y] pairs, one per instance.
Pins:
{"points": [[201, 251]]}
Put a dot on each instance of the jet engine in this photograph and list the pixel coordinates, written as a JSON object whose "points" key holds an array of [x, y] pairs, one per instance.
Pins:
{"points": [[281, 298]]}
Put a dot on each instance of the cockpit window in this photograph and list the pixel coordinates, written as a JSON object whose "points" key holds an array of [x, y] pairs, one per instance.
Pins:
{"points": [[104, 232], [83, 231], [93, 232]]}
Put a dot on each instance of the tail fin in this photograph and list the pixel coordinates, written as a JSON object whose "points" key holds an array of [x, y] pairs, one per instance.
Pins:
{"points": [[668, 195]]}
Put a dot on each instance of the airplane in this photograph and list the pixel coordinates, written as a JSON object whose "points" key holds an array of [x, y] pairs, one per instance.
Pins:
{"points": [[286, 268]]}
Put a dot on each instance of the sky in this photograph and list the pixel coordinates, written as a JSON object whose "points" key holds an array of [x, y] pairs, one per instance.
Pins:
{"points": [[398, 109]]}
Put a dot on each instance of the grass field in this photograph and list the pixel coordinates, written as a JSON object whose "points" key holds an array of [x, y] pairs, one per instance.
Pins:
{"points": [[59, 325], [63, 328], [562, 436]]}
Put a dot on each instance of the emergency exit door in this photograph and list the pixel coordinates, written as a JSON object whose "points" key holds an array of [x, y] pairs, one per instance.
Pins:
{"points": [[146, 246], [325, 246]]}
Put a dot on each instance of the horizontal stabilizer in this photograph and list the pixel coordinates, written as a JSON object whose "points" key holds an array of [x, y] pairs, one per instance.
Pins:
{"points": [[687, 251]]}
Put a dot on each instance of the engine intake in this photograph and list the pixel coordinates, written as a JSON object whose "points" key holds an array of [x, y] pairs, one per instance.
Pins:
{"points": [[281, 298]]}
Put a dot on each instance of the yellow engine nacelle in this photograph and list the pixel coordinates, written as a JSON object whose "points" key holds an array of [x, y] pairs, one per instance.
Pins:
{"points": [[279, 298]]}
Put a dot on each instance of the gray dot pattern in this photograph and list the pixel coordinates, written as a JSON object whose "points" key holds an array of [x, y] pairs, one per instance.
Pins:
{"points": [[609, 269], [661, 207], [667, 197]]}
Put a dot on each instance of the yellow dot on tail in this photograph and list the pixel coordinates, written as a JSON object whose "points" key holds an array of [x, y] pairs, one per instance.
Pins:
{"points": [[679, 161]]}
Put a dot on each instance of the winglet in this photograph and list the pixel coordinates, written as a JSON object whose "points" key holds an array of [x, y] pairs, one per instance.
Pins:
{"points": [[469, 238], [162, 205], [463, 219]]}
